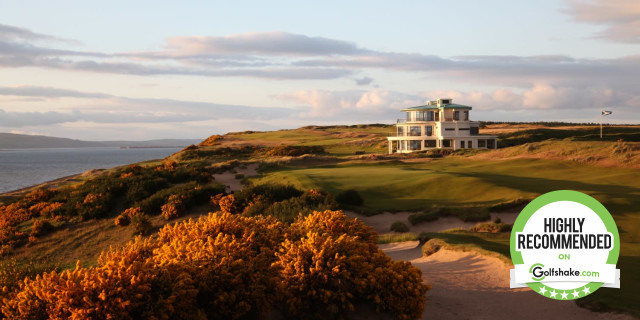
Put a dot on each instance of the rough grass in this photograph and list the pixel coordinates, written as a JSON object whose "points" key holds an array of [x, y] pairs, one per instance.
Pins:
{"points": [[336, 140], [491, 244], [603, 153]]}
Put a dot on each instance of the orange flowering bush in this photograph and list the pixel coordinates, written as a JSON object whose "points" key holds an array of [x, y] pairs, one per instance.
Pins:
{"points": [[174, 208], [228, 266], [227, 204]]}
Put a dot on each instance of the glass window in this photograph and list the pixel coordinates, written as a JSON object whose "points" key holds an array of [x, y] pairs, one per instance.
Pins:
{"points": [[437, 115], [469, 145], [482, 143], [430, 143], [415, 131], [430, 115], [403, 145], [466, 115], [474, 130], [428, 130], [446, 143], [491, 144], [415, 144], [462, 144], [400, 131], [456, 115]]}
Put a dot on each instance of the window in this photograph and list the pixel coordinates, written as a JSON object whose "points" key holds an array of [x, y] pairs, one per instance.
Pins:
{"points": [[420, 116], [462, 144], [466, 115], [414, 131], [430, 115], [403, 145], [446, 143], [415, 145], [449, 129], [474, 130], [482, 143], [408, 116], [428, 130], [463, 129], [456, 115], [437, 114], [469, 145], [430, 143], [400, 131], [491, 144]]}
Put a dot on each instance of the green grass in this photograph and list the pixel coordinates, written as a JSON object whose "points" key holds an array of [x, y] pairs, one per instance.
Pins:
{"points": [[492, 244], [397, 237], [459, 182], [336, 140]]}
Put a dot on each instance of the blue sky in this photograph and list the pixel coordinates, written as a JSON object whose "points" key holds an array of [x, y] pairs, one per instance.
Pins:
{"points": [[162, 69]]}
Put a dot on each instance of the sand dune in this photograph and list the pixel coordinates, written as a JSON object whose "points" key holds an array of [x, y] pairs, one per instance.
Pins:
{"points": [[467, 285]]}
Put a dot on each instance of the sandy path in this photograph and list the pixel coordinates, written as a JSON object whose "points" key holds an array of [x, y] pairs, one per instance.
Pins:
{"points": [[229, 179], [470, 286], [382, 222]]}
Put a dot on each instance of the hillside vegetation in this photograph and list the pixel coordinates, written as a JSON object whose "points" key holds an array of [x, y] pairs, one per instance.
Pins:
{"points": [[304, 176]]}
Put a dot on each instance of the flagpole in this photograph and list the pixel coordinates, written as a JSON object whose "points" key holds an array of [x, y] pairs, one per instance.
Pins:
{"points": [[601, 113]]}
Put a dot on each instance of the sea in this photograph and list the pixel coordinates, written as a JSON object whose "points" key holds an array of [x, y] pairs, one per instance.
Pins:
{"points": [[27, 167]]}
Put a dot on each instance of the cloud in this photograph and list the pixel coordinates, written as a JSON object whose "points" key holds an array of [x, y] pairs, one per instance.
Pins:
{"points": [[350, 104], [621, 18], [364, 81], [260, 43], [47, 92], [105, 108], [16, 33], [286, 56]]}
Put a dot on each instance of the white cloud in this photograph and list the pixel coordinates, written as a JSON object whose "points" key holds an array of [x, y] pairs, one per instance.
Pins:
{"points": [[620, 18]]}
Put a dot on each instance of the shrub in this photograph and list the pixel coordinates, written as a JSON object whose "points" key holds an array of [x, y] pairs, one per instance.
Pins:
{"points": [[41, 228], [226, 266], [421, 217], [174, 208], [122, 220], [399, 226], [349, 197], [141, 225], [493, 227], [227, 204], [432, 246]]}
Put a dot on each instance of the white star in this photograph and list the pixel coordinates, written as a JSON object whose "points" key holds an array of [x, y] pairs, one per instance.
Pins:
{"points": [[564, 295], [553, 294], [542, 290], [586, 290], [576, 293]]}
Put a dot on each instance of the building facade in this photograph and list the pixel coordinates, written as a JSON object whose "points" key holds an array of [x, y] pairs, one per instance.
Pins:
{"points": [[438, 124]]}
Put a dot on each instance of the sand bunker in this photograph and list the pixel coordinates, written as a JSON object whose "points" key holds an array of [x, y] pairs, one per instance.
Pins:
{"points": [[467, 285], [229, 179]]}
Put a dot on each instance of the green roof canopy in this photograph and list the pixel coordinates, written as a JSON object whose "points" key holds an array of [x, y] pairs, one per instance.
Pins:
{"points": [[435, 107]]}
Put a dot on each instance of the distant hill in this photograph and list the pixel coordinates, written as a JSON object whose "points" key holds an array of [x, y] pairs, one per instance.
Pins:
{"points": [[23, 141]]}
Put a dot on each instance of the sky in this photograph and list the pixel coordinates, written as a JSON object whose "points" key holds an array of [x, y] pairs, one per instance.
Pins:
{"points": [[137, 70]]}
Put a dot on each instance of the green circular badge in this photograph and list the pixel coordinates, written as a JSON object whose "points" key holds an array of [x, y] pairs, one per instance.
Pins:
{"points": [[564, 246]]}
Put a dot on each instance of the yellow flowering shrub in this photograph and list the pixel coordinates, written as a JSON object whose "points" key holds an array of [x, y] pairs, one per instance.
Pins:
{"points": [[229, 266]]}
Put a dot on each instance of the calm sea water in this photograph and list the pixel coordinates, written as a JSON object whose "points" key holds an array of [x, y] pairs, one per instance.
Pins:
{"points": [[23, 168]]}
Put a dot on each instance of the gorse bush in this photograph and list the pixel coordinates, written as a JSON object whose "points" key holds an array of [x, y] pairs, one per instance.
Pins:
{"points": [[226, 266], [350, 197], [399, 226]]}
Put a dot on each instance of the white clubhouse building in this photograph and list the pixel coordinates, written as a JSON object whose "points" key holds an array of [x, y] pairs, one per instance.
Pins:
{"points": [[438, 124]]}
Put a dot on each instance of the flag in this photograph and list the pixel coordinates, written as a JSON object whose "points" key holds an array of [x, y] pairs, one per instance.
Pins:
{"points": [[606, 113]]}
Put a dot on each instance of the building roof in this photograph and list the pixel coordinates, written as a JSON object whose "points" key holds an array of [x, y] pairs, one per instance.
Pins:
{"points": [[435, 107]]}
